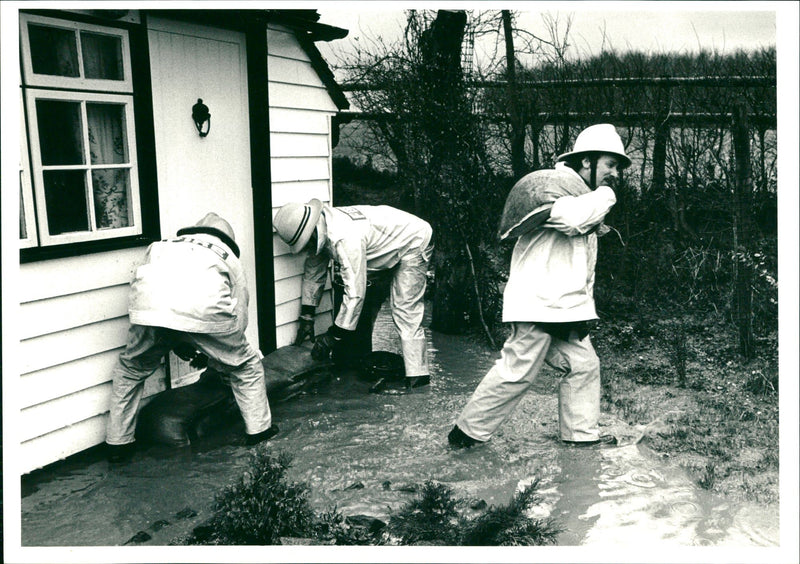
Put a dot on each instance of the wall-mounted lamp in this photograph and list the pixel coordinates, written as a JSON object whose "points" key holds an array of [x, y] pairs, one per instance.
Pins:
{"points": [[200, 115]]}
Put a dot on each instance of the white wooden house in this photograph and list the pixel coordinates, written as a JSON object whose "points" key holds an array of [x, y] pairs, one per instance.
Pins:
{"points": [[111, 159]]}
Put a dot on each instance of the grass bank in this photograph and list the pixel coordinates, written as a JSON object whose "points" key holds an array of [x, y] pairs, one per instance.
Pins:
{"points": [[705, 409]]}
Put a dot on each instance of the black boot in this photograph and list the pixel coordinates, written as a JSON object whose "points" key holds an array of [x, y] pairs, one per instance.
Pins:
{"points": [[602, 441], [417, 381], [459, 439], [265, 435], [120, 453]]}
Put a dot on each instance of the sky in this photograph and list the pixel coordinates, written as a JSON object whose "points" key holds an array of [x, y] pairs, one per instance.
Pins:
{"points": [[648, 26]]}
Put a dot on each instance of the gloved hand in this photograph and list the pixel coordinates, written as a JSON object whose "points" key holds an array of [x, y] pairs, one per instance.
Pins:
{"points": [[184, 351], [187, 352], [199, 361], [327, 345]]}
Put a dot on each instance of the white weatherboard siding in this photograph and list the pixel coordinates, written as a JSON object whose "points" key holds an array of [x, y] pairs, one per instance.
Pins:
{"points": [[73, 319], [300, 109], [73, 323]]}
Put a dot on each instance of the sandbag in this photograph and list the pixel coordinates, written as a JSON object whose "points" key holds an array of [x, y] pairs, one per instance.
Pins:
{"points": [[177, 416], [528, 203], [291, 369]]}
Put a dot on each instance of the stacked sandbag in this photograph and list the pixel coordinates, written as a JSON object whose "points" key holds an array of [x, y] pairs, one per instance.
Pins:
{"points": [[177, 416]]}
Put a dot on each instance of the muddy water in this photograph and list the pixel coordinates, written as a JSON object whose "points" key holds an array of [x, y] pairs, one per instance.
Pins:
{"points": [[366, 454]]}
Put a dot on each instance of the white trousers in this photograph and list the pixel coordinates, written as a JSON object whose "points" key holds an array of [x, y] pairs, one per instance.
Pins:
{"points": [[228, 354], [407, 301], [521, 359]]}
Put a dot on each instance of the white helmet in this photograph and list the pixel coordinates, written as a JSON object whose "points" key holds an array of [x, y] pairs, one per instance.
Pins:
{"points": [[296, 222], [215, 225], [600, 138]]}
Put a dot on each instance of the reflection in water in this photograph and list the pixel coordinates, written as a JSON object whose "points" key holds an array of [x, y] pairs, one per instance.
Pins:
{"points": [[368, 453], [642, 505]]}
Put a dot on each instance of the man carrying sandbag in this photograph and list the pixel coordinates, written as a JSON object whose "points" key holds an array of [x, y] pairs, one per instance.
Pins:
{"points": [[358, 239], [190, 294], [548, 300]]}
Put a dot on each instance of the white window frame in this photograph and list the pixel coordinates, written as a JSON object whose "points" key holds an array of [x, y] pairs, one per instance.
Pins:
{"points": [[27, 212], [93, 233], [79, 82], [81, 90]]}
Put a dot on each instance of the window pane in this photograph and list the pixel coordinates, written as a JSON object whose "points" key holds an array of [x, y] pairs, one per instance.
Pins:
{"points": [[53, 51], [65, 198], [111, 197], [107, 143], [102, 56], [23, 229], [60, 132]]}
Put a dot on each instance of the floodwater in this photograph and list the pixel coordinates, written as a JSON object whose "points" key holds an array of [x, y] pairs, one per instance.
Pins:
{"points": [[366, 454]]}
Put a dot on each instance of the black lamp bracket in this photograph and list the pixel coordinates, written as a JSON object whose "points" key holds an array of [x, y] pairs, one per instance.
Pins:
{"points": [[201, 115]]}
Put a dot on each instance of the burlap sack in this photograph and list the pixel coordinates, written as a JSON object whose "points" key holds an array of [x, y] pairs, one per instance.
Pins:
{"points": [[530, 199]]}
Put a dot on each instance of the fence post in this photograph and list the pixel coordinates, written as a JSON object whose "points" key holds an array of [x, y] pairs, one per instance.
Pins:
{"points": [[743, 232], [660, 142]]}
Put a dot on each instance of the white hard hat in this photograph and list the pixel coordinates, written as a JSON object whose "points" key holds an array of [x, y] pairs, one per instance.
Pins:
{"points": [[215, 225], [600, 138], [295, 223]]}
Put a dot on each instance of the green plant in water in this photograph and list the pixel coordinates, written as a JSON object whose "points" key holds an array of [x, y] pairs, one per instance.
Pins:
{"points": [[430, 517], [510, 525], [709, 477], [433, 517], [333, 527], [262, 506]]}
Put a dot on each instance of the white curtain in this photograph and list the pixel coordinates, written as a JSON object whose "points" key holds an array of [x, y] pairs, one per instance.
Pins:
{"points": [[102, 56], [108, 145]]}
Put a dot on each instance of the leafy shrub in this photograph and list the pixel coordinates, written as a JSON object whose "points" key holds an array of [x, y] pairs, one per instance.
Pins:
{"points": [[333, 527], [262, 506], [434, 517], [430, 517], [509, 525], [762, 384]]}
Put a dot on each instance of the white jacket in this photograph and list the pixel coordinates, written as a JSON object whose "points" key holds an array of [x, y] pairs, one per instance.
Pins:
{"points": [[192, 283], [359, 239], [552, 269]]}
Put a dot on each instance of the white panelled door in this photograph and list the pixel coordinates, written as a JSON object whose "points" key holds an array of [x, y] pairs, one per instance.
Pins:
{"points": [[201, 174]]}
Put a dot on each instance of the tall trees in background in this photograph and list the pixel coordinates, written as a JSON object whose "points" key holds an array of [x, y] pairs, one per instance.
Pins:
{"points": [[693, 233]]}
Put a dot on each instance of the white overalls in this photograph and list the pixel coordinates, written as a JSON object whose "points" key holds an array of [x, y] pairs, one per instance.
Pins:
{"points": [[551, 281], [362, 238], [190, 289]]}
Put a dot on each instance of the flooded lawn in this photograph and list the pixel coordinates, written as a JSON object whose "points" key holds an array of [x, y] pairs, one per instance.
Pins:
{"points": [[366, 454]]}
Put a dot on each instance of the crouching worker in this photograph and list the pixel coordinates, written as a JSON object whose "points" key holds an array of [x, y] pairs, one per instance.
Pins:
{"points": [[190, 294], [358, 239], [548, 299]]}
